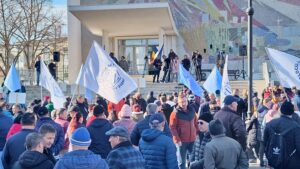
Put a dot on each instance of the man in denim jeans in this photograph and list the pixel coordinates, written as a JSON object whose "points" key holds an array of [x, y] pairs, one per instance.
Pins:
{"points": [[183, 124]]}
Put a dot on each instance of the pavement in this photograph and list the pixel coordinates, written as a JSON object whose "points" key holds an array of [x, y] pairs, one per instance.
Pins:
{"points": [[255, 166]]}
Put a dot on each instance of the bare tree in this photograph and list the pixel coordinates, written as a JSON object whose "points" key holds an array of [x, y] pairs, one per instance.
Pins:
{"points": [[29, 29]]}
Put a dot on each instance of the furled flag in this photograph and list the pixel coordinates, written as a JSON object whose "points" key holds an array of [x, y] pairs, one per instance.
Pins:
{"points": [[226, 88], [158, 54], [102, 75], [286, 66], [153, 53], [214, 81], [187, 79], [12, 80], [48, 82]]}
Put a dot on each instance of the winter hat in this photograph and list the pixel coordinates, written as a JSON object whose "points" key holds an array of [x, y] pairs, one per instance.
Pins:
{"points": [[46, 97], [206, 117], [137, 109], [50, 107], [230, 99], [118, 131], [216, 127], [42, 111], [287, 108], [125, 111], [156, 118], [81, 137]]}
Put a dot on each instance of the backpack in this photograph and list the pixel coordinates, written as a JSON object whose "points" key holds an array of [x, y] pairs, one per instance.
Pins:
{"points": [[276, 151]]}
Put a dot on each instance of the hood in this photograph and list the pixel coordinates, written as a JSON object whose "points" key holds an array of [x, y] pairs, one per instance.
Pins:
{"points": [[88, 160], [32, 159], [99, 123], [150, 134]]}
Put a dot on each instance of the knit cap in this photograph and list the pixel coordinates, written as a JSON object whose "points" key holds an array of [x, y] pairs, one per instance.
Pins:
{"points": [[81, 137], [125, 111]]}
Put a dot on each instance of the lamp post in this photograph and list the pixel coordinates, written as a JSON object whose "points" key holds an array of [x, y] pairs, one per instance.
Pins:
{"points": [[250, 12]]}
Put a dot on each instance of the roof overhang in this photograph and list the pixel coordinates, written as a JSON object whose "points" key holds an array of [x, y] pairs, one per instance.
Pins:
{"points": [[140, 19]]}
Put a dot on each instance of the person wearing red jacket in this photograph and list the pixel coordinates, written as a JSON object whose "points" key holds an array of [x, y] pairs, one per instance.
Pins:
{"points": [[183, 125]]}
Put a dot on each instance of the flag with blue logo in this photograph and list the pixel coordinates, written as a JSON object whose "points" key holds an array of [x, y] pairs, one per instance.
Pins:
{"points": [[158, 54], [12, 80], [103, 76], [286, 66], [48, 82], [226, 88], [186, 78], [214, 81]]}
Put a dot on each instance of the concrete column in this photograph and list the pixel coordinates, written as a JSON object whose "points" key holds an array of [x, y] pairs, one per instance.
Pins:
{"points": [[105, 41], [74, 44]]}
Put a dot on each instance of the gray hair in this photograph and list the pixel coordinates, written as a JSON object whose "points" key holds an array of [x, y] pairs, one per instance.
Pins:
{"points": [[33, 140], [151, 108], [216, 127]]}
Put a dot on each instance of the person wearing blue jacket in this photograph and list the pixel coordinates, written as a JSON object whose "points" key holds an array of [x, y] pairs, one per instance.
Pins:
{"points": [[144, 124], [44, 118], [158, 150]]}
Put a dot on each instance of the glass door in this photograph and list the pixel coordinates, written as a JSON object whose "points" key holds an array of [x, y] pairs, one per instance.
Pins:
{"points": [[139, 57]]}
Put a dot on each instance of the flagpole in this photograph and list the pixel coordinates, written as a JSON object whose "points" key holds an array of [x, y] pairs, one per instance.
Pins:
{"points": [[250, 12], [72, 98]]}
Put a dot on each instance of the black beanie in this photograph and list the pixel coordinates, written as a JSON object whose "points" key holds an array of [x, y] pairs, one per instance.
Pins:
{"points": [[206, 117], [287, 108]]}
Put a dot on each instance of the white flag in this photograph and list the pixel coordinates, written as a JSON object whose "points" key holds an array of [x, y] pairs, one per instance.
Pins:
{"points": [[226, 88], [103, 76], [48, 82], [286, 66]]}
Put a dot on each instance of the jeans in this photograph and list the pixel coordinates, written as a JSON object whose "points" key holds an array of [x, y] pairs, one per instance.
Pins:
{"points": [[1, 166], [156, 75], [166, 74], [182, 152]]}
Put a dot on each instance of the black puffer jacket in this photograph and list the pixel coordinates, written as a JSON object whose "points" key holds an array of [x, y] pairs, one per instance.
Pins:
{"points": [[234, 125], [253, 131], [33, 160]]}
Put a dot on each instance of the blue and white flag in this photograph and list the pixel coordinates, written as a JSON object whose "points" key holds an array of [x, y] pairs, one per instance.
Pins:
{"points": [[186, 78], [286, 66], [102, 75], [214, 81], [49, 83], [158, 54], [12, 80], [226, 88]]}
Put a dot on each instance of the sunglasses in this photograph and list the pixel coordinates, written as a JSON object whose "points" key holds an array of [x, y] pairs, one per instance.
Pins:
{"points": [[200, 122]]}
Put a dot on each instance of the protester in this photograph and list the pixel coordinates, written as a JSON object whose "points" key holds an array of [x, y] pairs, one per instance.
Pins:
{"points": [[174, 69], [289, 130], [137, 113], [296, 99], [233, 123], [14, 146], [125, 119], [197, 60], [166, 108], [112, 56], [75, 123], [197, 156], [37, 66], [144, 124], [222, 151], [82, 108], [141, 101], [183, 124], [61, 119], [100, 144], [158, 149], [33, 157], [241, 104], [5, 124], [253, 130], [166, 69], [79, 156], [151, 98], [16, 127], [157, 65], [44, 118], [123, 154], [186, 63], [124, 64]]}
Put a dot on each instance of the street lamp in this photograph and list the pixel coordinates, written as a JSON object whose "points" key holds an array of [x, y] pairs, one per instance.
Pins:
{"points": [[250, 12]]}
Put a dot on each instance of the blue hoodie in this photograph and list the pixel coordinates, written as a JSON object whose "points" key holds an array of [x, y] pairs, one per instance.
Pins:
{"points": [[158, 150]]}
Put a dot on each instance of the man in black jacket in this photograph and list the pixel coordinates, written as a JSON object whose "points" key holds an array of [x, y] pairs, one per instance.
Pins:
{"points": [[291, 138], [232, 121], [33, 157], [97, 128], [166, 69], [14, 146]]}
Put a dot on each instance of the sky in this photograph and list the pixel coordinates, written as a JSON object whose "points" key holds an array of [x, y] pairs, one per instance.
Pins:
{"points": [[61, 6]]}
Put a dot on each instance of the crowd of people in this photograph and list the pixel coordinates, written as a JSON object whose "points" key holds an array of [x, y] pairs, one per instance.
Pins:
{"points": [[180, 130]]}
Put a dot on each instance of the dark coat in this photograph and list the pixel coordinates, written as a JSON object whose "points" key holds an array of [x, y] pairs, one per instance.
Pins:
{"points": [[199, 145], [33, 160], [14, 147], [234, 125], [158, 150], [141, 126], [186, 63], [5, 124], [142, 102], [100, 144], [59, 140], [83, 109], [167, 110], [292, 138], [81, 159], [241, 105], [124, 155], [253, 130], [151, 99]]}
